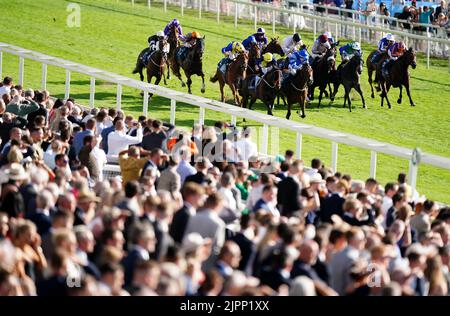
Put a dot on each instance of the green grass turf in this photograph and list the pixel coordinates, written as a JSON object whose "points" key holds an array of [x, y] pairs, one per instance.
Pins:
{"points": [[112, 33]]}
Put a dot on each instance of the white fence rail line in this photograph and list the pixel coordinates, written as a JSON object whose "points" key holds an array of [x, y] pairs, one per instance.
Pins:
{"points": [[203, 103]]}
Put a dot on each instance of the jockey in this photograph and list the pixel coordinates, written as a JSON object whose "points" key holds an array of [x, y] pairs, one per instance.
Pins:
{"points": [[320, 46], [396, 50], [292, 43], [297, 59], [249, 41], [347, 51], [383, 46], [261, 37], [153, 40], [190, 39], [267, 63], [230, 51], [177, 25]]}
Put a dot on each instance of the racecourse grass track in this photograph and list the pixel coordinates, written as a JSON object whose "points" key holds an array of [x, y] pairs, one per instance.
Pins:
{"points": [[112, 33]]}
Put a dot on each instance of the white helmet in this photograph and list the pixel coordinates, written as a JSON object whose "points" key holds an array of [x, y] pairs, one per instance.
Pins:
{"points": [[356, 46], [328, 34], [390, 37], [160, 34]]}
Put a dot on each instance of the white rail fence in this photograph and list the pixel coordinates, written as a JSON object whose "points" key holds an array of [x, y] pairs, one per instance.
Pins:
{"points": [[353, 25], [234, 112]]}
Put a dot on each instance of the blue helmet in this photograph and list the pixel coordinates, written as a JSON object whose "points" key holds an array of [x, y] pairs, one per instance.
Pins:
{"points": [[261, 30], [176, 22], [303, 54], [252, 39]]}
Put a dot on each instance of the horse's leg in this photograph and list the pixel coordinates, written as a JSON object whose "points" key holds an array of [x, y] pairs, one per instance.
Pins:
{"points": [[203, 83], [158, 80], [288, 114], [347, 95], [388, 86], [176, 72], [399, 101], [188, 82], [222, 92], [168, 68], [370, 82], [141, 75], [252, 101], [311, 94], [320, 96], [359, 90], [408, 92], [335, 89], [302, 105]]}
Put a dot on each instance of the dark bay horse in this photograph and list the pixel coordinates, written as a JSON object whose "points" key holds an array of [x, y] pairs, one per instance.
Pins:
{"points": [[266, 89], [372, 67], [274, 47], [157, 63], [254, 55], [295, 89], [234, 74], [398, 76], [348, 74], [322, 70], [191, 65], [140, 63], [172, 39]]}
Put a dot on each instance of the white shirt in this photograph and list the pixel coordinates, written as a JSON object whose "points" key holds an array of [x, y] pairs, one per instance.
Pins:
{"points": [[386, 204], [119, 141], [4, 90], [289, 45], [228, 198], [246, 148], [100, 157], [49, 158]]}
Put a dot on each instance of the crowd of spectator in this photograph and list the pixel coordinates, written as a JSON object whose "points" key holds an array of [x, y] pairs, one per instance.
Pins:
{"points": [[196, 212]]}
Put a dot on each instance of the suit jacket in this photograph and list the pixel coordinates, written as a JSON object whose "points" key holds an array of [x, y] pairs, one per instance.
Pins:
{"points": [[153, 140], [356, 222], [199, 178], [5, 129], [53, 286], [129, 263], [340, 265], [41, 111], [274, 278], [88, 160], [179, 224], [163, 241], [169, 180], [248, 252], [43, 222], [288, 196], [331, 205]]}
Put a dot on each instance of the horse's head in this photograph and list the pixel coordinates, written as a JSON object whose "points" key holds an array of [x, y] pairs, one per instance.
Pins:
{"points": [[276, 77], [359, 63], [274, 47], [305, 76], [242, 61], [254, 51], [330, 59], [200, 46], [410, 56], [162, 44]]}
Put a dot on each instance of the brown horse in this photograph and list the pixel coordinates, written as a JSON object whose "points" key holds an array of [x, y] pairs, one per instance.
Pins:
{"points": [[266, 89], [372, 67], [191, 65], [322, 70], [274, 47], [295, 89], [234, 74], [398, 76], [254, 54], [157, 63], [172, 39], [348, 74]]}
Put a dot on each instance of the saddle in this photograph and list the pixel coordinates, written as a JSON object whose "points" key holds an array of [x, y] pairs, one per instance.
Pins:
{"points": [[385, 67], [253, 82], [375, 56], [146, 56], [182, 53]]}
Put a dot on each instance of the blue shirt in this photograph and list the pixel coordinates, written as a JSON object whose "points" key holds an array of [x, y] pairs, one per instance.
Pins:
{"points": [[105, 134], [296, 60], [78, 140], [227, 48], [247, 42]]}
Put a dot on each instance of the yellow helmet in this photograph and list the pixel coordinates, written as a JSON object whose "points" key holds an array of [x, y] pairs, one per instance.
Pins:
{"points": [[268, 57], [196, 34], [237, 46]]}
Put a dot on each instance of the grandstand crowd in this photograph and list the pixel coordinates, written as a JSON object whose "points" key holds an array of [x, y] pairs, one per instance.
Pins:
{"points": [[196, 213]]}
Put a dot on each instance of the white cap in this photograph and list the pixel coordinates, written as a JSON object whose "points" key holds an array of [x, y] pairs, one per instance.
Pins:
{"points": [[390, 37], [316, 178], [160, 34]]}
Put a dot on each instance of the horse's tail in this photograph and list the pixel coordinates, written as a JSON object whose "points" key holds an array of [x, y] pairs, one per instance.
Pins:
{"points": [[137, 68], [215, 78]]}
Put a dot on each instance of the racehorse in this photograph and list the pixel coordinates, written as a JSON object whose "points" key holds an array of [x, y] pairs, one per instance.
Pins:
{"points": [[266, 89], [322, 69], [192, 64], [140, 63], [156, 64], [274, 47], [372, 67], [295, 89], [233, 75], [398, 76], [254, 54], [172, 39], [348, 74]]}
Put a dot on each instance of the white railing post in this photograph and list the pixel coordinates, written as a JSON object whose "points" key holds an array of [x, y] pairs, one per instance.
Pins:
{"points": [[149, 4], [182, 7], [233, 120], [200, 9], [201, 116], [21, 69], [256, 18], [298, 148], [92, 93], [265, 139], [235, 15], [354, 28], [428, 54], [145, 103], [273, 21], [1, 64], [413, 168], [218, 10], [119, 96], [373, 164], [336, 36], [173, 107], [334, 156], [44, 77], [165, 6], [132, 3], [67, 85], [315, 28]]}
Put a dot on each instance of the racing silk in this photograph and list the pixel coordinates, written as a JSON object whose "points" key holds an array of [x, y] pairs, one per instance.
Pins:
{"points": [[179, 28], [267, 66], [296, 60], [229, 52], [152, 42], [383, 45], [246, 43], [347, 51], [319, 48], [394, 52], [261, 39], [289, 46]]}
